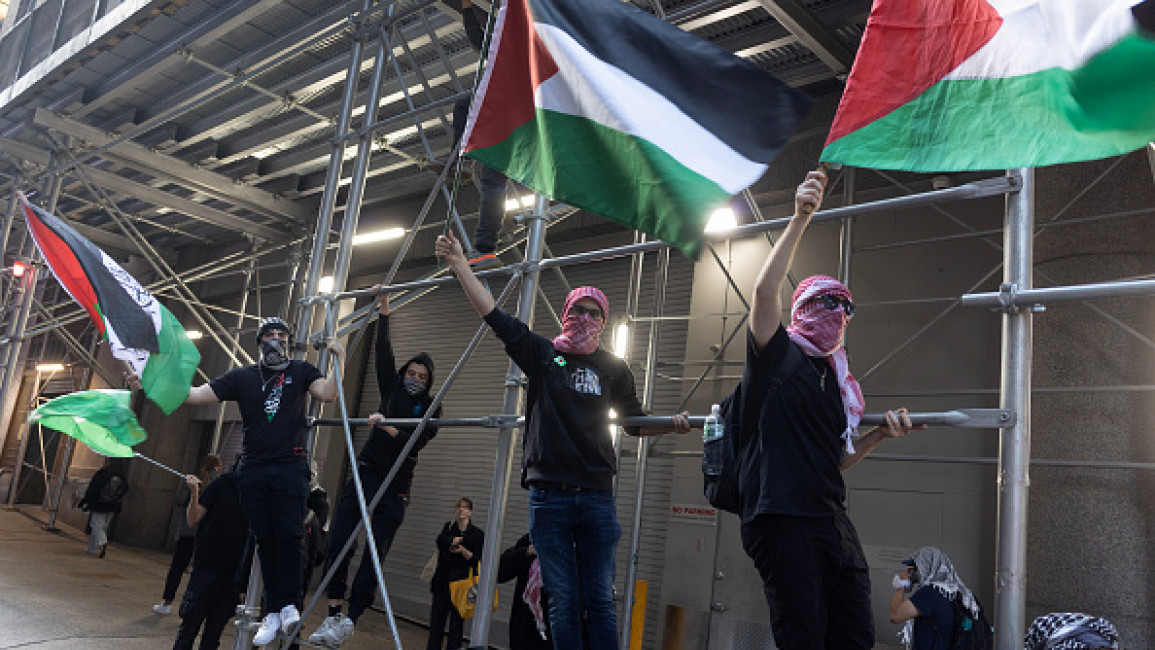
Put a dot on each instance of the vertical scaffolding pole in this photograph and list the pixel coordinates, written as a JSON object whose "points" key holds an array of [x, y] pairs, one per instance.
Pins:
{"points": [[10, 385], [333, 175], [1015, 442], [644, 445], [846, 235], [503, 463], [70, 443], [215, 445]]}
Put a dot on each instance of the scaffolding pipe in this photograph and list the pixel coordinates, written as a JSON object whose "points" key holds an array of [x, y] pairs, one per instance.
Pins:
{"points": [[1009, 295], [846, 235], [979, 189], [333, 174], [70, 443], [218, 427], [420, 425], [660, 277], [513, 402], [1015, 443]]}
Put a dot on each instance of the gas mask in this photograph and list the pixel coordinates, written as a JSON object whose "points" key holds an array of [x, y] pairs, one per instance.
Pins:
{"points": [[274, 355]]}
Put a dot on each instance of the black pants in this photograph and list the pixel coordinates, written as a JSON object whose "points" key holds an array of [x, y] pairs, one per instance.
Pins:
{"points": [[211, 599], [491, 212], [181, 556], [273, 497], [441, 610], [816, 580], [386, 518]]}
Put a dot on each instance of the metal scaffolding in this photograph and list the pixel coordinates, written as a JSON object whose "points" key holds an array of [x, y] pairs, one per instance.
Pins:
{"points": [[374, 28]]}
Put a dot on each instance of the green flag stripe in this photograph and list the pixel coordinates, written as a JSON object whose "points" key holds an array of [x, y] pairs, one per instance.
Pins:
{"points": [[168, 374], [621, 177], [1104, 108]]}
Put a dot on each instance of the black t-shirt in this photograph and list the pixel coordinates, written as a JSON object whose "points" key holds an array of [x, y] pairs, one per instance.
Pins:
{"points": [[222, 533], [793, 467], [935, 623], [567, 436], [272, 404]]}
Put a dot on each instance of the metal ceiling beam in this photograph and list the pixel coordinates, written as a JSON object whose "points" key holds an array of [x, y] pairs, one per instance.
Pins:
{"points": [[40, 157], [155, 196], [220, 21], [179, 172], [795, 17], [248, 111]]}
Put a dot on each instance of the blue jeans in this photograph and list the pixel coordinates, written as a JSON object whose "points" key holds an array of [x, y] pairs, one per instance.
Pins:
{"points": [[386, 518], [273, 497], [576, 535]]}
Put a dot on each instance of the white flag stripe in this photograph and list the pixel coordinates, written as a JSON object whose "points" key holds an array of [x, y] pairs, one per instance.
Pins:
{"points": [[1040, 35], [588, 87]]}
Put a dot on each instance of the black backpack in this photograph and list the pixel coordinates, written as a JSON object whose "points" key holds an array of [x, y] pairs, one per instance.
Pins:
{"points": [[721, 490], [970, 633]]}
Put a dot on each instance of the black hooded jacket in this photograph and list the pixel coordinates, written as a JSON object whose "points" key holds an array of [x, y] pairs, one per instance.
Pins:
{"points": [[381, 449]]}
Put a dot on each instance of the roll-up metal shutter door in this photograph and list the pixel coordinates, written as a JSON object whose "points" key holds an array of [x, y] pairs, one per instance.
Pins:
{"points": [[459, 461]]}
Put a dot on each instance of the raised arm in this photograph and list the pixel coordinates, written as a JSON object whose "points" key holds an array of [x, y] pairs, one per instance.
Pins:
{"points": [[325, 389], [202, 394], [449, 249], [766, 310], [386, 362], [897, 425], [194, 512]]}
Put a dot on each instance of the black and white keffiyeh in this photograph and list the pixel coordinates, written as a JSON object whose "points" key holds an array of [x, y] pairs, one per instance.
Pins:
{"points": [[936, 571], [1071, 631]]}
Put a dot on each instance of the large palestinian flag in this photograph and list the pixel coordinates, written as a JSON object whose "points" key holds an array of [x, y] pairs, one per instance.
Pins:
{"points": [[992, 84], [605, 107], [139, 329]]}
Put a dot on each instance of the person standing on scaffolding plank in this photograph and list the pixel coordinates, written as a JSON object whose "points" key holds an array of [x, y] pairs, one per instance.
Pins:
{"points": [[491, 211], [404, 394], [798, 397], [568, 462], [273, 474]]}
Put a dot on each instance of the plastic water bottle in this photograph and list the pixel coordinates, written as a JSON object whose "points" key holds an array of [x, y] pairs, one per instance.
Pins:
{"points": [[712, 434]]}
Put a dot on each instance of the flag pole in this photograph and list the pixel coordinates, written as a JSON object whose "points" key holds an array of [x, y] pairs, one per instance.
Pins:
{"points": [[158, 464]]}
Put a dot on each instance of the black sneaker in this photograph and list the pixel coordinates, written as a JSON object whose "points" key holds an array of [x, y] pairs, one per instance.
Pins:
{"points": [[485, 261]]}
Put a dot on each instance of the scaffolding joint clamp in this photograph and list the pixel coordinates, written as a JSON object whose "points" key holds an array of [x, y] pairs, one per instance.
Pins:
{"points": [[503, 421], [1007, 293]]}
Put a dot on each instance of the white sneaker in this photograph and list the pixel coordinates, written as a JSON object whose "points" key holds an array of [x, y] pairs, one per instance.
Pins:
{"points": [[289, 617], [162, 609], [334, 631], [268, 630]]}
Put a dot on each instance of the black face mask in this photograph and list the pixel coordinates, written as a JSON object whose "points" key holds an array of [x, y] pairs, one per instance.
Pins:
{"points": [[273, 354]]}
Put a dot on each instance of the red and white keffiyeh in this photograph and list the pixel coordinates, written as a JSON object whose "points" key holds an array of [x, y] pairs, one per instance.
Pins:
{"points": [[579, 334], [532, 597], [819, 332]]}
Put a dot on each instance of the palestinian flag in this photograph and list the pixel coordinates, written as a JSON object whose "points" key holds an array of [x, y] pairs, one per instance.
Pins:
{"points": [[139, 329], [958, 85], [607, 108]]}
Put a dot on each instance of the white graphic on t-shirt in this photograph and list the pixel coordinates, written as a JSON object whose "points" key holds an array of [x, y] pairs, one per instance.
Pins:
{"points": [[586, 380], [273, 401]]}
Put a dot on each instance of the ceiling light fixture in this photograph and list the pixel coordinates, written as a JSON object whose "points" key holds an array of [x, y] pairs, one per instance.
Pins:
{"points": [[379, 235]]}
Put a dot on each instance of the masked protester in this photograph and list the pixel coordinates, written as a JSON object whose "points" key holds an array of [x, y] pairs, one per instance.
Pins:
{"points": [[798, 398], [405, 393], [568, 461], [273, 473]]}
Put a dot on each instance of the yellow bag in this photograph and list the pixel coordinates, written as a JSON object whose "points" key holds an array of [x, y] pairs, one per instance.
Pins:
{"points": [[463, 594]]}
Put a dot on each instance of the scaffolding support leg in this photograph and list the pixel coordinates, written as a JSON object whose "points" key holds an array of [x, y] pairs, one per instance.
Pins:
{"points": [[445, 386], [644, 446], [503, 462], [1015, 442]]}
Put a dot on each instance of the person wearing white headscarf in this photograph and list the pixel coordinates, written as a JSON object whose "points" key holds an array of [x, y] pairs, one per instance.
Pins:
{"points": [[927, 614], [1071, 631]]}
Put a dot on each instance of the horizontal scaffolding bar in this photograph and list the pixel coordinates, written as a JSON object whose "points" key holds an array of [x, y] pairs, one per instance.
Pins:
{"points": [[1009, 296], [965, 418], [978, 189], [968, 460]]}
